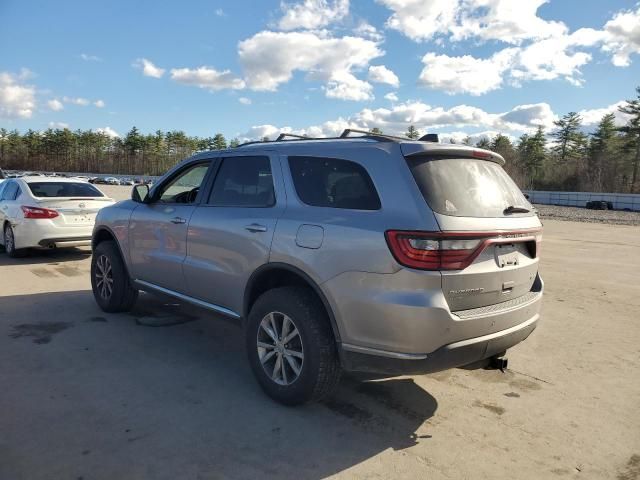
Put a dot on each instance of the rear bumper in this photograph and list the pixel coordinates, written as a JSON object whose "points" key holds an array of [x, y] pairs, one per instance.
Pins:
{"points": [[44, 233], [458, 354], [65, 242]]}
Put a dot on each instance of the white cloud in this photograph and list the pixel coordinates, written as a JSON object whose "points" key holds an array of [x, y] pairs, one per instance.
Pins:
{"points": [[594, 115], [391, 96], [344, 86], [312, 14], [623, 37], [381, 74], [60, 125], [419, 19], [148, 68], [271, 58], [219, 12], [90, 58], [505, 20], [396, 120], [108, 131], [466, 74], [207, 78], [83, 102], [550, 59], [55, 105], [368, 31], [546, 59], [244, 100], [99, 103], [17, 99]]}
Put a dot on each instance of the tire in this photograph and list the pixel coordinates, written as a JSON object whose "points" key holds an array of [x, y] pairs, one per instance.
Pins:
{"points": [[319, 367], [106, 263], [10, 243]]}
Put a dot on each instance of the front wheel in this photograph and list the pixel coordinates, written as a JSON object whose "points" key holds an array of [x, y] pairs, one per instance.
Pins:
{"points": [[110, 281], [291, 347]]}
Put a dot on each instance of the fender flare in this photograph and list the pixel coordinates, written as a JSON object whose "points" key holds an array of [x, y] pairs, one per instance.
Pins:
{"points": [[314, 286]]}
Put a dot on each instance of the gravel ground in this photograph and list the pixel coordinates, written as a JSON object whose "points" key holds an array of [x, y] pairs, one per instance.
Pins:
{"points": [[575, 214]]}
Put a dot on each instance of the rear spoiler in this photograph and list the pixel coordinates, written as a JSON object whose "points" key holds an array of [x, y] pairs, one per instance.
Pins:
{"points": [[416, 149]]}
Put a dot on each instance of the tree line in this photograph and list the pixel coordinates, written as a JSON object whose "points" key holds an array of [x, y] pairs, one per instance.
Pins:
{"points": [[568, 159], [565, 158]]}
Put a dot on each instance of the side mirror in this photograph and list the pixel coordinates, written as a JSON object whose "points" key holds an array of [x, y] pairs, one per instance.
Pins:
{"points": [[140, 193]]}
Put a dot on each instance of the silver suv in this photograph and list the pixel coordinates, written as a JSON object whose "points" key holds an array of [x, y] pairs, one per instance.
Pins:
{"points": [[365, 254]]}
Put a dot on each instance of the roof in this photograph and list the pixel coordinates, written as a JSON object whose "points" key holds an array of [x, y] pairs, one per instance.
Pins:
{"points": [[49, 179]]}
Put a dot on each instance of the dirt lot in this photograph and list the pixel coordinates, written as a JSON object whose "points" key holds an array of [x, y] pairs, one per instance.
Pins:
{"points": [[165, 392]]}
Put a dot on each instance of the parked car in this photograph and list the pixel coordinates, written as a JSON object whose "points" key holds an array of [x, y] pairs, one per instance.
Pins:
{"points": [[126, 181], [371, 254], [40, 212]]}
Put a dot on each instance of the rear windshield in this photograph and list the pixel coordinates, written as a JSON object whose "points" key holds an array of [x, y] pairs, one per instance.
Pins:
{"points": [[466, 187], [64, 189]]}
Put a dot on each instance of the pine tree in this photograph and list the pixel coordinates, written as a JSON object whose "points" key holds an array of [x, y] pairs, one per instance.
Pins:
{"points": [[483, 143], [533, 152], [219, 142], [413, 133], [632, 133], [570, 141], [603, 162], [234, 143]]}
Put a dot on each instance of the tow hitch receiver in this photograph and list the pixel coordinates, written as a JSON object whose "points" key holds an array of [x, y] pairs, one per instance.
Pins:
{"points": [[499, 363]]}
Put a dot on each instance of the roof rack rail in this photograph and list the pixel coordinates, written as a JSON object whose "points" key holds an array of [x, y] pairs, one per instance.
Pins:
{"points": [[282, 136], [430, 137], [375, 136]]}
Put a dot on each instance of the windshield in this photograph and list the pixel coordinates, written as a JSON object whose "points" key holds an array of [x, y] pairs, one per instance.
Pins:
{"points": [[467, 187], [64, 189]]}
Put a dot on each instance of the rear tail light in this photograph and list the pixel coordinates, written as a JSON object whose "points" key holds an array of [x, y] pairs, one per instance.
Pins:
{"points": [[37, 212], [451, 250]]}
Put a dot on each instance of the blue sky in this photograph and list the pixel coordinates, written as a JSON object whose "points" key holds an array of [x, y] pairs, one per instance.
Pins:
{"points": [[248, 69]]}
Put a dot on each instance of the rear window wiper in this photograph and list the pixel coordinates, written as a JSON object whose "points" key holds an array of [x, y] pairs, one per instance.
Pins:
{"points": [[515, 209]]}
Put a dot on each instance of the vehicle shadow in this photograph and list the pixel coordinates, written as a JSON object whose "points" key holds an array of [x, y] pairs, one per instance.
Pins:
{"points": [[39, 256], [166, 392]]}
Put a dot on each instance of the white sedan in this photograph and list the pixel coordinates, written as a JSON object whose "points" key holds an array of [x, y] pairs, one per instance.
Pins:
{"points": [[39, 212]]}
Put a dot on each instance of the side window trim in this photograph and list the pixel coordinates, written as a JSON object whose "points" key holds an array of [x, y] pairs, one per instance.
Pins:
{"points": [[157, 191]]}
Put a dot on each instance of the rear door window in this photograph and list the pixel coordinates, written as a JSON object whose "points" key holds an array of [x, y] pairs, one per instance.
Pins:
{"points": [[243, 182], [334, 183], [466, 187], [10, 191]]}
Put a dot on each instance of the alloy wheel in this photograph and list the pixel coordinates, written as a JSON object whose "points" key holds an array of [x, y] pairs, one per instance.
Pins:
{"points": [[9, 243], [280, 348], [104, 277]]}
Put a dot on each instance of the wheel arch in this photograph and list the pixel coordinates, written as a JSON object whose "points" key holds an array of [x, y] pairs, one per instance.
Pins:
{"points": [[272, 275], [105, 234]]}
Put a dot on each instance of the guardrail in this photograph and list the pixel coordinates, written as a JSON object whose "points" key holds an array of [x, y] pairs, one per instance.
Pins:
{"points": [[620, 201]]}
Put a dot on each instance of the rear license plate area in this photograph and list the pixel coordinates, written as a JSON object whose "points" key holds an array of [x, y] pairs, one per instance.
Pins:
{"points": [[506, 255]]}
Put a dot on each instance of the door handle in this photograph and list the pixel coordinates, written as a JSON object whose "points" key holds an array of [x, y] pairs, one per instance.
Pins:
{"points": [[254, 227], [178, 220]]}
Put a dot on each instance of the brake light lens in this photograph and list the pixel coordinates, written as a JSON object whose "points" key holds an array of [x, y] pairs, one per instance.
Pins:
{"points": [[451, 250], [38, 213]]}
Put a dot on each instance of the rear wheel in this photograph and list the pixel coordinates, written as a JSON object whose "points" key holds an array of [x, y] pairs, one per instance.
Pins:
{"points": [[10, 243], [291, 347], [110, 281]]}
